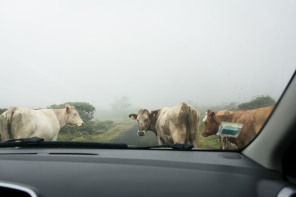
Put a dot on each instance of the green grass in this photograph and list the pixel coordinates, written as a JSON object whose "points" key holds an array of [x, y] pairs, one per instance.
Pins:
{"points": [[210, 142], [119, 129], [107, 136]]}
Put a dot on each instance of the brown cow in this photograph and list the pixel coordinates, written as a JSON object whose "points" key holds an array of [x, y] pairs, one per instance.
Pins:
{"points": [[172, 125], [252, 121]]}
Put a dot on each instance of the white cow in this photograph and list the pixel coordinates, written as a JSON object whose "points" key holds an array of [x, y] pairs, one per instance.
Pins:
{"points": [[172, 125], [20, 122]]}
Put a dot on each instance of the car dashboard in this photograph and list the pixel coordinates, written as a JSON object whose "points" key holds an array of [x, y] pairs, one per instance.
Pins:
{"points": [[125, 172]]}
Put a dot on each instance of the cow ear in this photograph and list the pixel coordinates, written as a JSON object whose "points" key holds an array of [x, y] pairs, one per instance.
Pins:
{"points": [[212, 115], [68, 108], [133, 116], [154, 114]]}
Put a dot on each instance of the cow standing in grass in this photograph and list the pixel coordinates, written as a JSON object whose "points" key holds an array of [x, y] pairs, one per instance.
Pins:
{"points": [[172, 125], [20, 122], [252, 121]]}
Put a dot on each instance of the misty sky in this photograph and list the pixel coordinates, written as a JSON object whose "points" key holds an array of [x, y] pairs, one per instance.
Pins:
{"points": [[156, 53]]}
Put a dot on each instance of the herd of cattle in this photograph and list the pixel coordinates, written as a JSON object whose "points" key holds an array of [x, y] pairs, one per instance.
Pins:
{"points": [[178, 124]]}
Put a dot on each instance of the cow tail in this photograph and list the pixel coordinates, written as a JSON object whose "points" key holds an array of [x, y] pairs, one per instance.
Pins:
{"points": [[193, 118], [9, 116]]}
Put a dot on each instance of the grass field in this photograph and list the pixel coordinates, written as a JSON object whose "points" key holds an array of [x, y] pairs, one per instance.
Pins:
{"points": [[210, 142], [107, 136], [120, 128]]}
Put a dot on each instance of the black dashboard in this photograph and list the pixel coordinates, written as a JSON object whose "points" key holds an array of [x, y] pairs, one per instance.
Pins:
{"points": [[116, 172]]}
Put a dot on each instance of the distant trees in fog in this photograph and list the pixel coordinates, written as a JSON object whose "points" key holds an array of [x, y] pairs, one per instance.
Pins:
{"points": [[121, 103], [257, 102]]}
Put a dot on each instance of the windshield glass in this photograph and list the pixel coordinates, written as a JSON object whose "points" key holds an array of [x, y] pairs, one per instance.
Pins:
{"points": [[144, 73]]}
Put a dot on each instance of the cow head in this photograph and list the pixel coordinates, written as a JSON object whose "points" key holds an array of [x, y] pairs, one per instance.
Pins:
{"points": [[72, 116], [211, 124], [144, 118]]}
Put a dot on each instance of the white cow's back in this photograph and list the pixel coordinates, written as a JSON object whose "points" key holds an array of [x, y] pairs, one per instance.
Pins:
{"points": [[26, 123], [177, 125]]}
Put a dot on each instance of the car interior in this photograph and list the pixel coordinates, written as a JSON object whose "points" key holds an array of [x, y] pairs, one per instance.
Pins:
{"points": [[266, 167]]}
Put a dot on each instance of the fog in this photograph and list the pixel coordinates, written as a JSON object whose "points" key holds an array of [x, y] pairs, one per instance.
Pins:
{"points": [[155, 53]]}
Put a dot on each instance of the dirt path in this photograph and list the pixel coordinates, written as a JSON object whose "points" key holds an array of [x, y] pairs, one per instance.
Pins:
{"points": [[130, 137]]}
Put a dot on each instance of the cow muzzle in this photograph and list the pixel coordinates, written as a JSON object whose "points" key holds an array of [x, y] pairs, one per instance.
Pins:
{"points": [[80, 124], [141, 133], [204, 134]]}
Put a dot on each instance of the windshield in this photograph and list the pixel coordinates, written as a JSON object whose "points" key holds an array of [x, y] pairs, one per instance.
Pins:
{"points": [[144, 73]]}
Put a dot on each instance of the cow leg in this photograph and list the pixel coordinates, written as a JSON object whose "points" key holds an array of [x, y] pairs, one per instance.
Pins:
{"points": [[193, 127], [233, 146], [54, 138], [179, 135], [225, 146], [220, 145], [160, 140]]}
